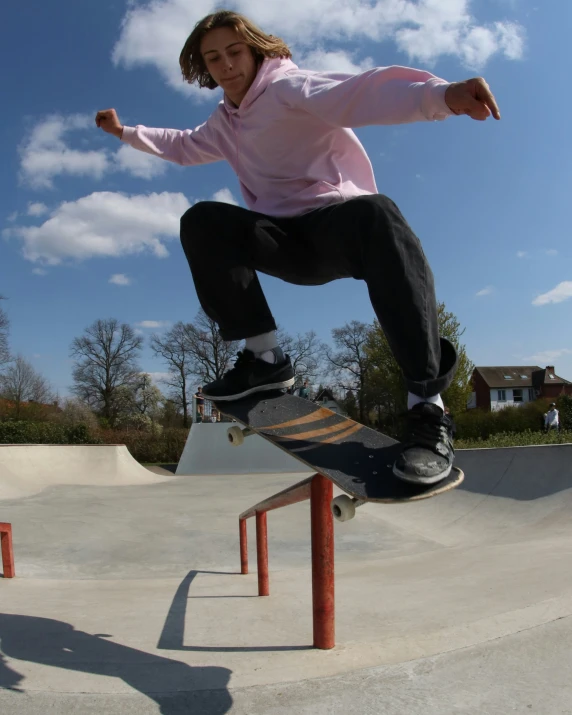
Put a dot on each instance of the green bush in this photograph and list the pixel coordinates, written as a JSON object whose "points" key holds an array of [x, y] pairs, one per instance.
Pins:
{"points": [[516, 439], [166, 447], [481, 424], [23, 432], [564, 405], [145, 447]]}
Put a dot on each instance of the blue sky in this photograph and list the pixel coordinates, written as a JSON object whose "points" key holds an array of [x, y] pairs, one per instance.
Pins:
{"points": [[90, 229]]}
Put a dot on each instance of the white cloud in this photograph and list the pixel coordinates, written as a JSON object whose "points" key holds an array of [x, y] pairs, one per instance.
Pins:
{"points": [[120, 279], [562, 292], [485, 291], [139, 164], [39, 271], [551, 252], [12, 217], [37, 209], [104, 224], [522, 254], [321, 60], [225, 196], [548, 357], [153, 324], [153, 34], [44, 154]]}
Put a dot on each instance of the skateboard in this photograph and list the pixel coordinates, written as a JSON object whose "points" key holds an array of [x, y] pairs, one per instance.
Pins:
{"points": [[354, 457]]}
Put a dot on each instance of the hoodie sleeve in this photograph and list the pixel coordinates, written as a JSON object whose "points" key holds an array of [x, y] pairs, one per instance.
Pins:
{"points": [[188, 147], [383, 95]]}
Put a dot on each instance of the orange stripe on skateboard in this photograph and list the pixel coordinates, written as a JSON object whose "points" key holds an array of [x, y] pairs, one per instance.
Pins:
{"points": [[317, 415], [338, 437], [312, 433]]}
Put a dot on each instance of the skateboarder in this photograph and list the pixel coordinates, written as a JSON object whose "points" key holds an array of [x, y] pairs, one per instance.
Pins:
{"points": [[309, 188]]}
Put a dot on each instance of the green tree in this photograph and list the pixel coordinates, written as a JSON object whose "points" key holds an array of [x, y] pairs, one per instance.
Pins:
{"points": [[386, 390], [138, 405]]}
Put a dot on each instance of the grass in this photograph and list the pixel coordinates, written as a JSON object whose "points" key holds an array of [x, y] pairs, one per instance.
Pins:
{"points": [[516, 439]]}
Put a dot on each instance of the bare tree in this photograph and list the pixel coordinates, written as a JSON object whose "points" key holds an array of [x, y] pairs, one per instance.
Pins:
{"points": [[305, 352], [106, 359], [210, 355], [21, 383], [4, 328], [174, 348], [350, 364]]}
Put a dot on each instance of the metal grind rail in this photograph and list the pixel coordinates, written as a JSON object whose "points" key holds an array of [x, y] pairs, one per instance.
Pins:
{"points": [[319, 490], [7, 550]]}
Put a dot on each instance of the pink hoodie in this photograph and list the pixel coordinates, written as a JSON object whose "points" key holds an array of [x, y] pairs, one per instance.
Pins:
{"points": [[290, 141]]}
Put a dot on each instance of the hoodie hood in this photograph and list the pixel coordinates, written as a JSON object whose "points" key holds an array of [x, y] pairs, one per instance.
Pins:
{"points": [[270, 70]]}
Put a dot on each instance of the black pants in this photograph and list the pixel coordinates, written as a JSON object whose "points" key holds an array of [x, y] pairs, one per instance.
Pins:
{"points": [[365, 238]]}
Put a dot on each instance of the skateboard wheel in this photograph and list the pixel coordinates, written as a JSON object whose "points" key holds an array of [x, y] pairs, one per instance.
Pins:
{"points": [[235, 435], [343, 508]]}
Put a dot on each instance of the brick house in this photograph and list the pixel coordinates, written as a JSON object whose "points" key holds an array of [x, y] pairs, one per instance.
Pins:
{"points": [[498, 387]]}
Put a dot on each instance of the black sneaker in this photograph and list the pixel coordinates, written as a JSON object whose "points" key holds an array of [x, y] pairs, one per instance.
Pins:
{"points": [[251, 374], [428, 452]]}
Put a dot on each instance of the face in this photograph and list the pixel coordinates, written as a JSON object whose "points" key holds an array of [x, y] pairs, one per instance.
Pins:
{"points": [[229, 61]]}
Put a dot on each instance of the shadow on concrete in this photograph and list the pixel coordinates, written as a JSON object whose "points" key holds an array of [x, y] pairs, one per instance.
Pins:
{"points": [[167, 682], [173, 634]]}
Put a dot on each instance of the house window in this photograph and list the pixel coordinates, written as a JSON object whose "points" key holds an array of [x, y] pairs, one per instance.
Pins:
{"points": [[517, 395], [530, 394], [552, 377], [501, 395], [508, 377], [524, 377]]}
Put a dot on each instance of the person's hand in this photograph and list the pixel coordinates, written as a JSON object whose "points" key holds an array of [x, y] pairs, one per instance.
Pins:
{"points": [[108, 120], [472, 97]]}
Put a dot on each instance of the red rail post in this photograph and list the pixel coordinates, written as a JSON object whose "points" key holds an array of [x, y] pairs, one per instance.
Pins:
{"points": [[323, 594], [243, 546], [7, 550], [262, 553]]}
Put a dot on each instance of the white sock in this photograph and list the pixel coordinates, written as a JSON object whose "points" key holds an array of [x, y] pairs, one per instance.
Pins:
{"points": [[261, 343], [413, 400], [263, 346]]}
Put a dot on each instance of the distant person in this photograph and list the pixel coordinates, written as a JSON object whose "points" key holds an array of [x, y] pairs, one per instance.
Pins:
{"points": [[304, 391], [551, 419], [200, 400]]}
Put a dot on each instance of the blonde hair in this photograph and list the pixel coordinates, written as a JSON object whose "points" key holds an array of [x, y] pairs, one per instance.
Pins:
{"points": [[261, 45]]}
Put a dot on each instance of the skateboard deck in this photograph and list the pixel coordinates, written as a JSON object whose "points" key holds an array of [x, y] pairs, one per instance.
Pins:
{"points": [[356, 458]]}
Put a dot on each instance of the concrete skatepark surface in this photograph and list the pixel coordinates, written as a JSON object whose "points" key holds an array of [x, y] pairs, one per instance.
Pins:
{"points": [[128, 597]]}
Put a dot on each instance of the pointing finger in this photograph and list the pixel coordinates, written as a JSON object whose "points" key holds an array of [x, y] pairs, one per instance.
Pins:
{"points": [[485, 95]]}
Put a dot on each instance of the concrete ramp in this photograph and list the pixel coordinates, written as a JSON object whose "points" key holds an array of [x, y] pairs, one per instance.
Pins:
{"points": [[131, 601], [505, 492], [208, 451], [27, 469]]}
